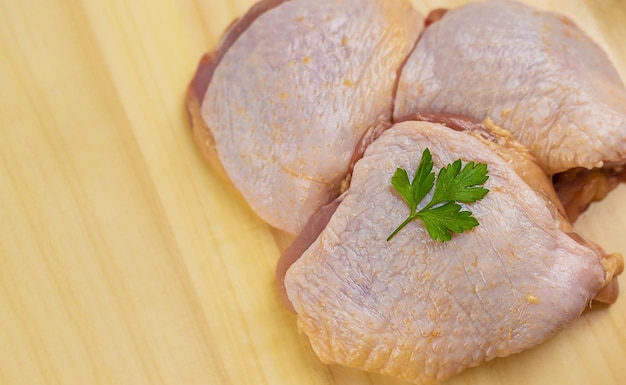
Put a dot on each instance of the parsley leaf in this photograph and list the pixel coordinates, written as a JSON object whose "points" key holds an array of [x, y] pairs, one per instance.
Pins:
{"points": [[423, 180], [441, 220], [454, 183]]}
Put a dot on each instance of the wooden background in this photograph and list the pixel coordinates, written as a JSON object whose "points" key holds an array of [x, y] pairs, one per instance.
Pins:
{"points": [[124, 259]]}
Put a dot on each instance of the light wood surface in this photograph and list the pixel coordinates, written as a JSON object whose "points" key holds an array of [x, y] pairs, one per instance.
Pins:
{"points": [[124, 259]]}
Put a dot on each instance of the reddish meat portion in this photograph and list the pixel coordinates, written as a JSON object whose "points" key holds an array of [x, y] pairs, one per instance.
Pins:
{"points": [[578, 188], [434, 16], [314, 226]]}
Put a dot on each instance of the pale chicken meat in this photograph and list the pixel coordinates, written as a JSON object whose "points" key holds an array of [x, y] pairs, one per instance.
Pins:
{"points": [[424, 310], [534, 73], [297, 105], [281, 105]]}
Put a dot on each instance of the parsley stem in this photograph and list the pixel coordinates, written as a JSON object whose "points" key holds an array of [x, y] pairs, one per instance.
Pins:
{"points": [[406, 222]]}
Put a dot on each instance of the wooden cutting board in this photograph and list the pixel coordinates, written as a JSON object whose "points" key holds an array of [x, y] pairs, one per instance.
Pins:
{"points": [[124, 259]]}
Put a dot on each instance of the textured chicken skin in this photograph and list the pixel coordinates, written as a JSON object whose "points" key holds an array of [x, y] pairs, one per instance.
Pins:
{"points": [[292, 95], [422, 310], [534, 73]]}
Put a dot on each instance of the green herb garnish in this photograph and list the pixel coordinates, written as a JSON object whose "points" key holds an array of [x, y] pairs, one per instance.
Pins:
{"points": [[442, 214]]}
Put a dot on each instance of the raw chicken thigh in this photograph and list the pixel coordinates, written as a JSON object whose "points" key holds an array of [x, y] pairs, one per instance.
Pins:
{"points": [[296, 105], [423, 310], [535, 74], [283, 102]]}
